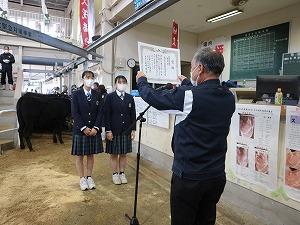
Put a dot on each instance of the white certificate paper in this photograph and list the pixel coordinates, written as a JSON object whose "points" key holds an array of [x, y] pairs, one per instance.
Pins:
{"points": [[161, 65]]}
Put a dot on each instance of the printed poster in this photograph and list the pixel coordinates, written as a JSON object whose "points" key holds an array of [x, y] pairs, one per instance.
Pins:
{"points": [[292, 153], [254, 143], [161, 65], [152, 115]]}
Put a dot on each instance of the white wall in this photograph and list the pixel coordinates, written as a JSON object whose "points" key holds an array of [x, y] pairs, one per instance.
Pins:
{"points": [[156, 35], [98, 6]]}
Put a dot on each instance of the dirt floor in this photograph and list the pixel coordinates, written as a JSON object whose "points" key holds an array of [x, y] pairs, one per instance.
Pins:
{"points": [[42, 187]]}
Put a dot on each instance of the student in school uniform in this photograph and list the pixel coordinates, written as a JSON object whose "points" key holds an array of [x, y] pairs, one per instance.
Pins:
{"points": [[87, 111], [119, 116]]}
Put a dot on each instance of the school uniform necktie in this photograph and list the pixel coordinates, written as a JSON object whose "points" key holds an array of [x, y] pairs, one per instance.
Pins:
{"points": [[122, 96], [89, 96]]}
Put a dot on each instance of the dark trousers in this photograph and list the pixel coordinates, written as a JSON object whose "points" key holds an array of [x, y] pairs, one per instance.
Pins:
{"points": [[6, 69], [193, 202]]}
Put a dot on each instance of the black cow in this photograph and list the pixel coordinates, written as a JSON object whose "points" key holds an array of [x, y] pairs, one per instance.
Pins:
{"points": [[41, 112]]}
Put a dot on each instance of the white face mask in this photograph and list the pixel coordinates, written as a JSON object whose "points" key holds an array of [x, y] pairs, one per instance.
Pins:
{"points": [[5, 51], [121, 87], [194, 82], [89, 82]]}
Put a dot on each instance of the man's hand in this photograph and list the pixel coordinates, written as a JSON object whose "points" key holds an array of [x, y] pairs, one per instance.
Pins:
{"points": [[109, 136], [181, 77], [139, 74], [6, 60], [132, 134]]}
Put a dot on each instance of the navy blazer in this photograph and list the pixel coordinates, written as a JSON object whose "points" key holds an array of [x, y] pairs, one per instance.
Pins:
{"points": [[201, 128], [86, 113], [119, 114]]}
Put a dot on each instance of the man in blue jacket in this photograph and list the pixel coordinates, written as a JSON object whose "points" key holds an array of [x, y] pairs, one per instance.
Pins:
{"points": [[199, 141]]}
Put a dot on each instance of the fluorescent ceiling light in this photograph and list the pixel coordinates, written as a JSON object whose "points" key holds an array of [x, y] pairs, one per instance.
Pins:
{"points": [[224, 15]]}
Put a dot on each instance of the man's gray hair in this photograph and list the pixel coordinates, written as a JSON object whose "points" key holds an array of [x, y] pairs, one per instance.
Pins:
{"points": [[212, 60]]}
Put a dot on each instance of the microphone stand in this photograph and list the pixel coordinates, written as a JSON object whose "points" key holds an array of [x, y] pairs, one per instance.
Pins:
{"points": [[133, 219]]}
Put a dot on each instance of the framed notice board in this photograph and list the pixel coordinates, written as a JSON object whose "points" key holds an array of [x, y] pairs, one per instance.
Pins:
{"points": [[258, 52], [291, 63]]}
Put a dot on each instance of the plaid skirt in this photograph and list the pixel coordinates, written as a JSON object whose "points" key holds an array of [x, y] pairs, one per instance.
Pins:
{"points": [[86, 145], [119, 145]]}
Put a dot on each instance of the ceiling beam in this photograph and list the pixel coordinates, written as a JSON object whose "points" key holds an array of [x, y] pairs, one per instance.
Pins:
{"points": [[138, 17], [25, 32]]}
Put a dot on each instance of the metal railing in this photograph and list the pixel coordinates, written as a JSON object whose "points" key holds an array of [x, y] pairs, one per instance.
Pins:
{"points": [[7, 111], [58, 27], [3, 111], [14, 138]]}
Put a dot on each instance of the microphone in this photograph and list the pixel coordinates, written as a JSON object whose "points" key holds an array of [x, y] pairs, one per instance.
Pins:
{"points": [[167, 86]]}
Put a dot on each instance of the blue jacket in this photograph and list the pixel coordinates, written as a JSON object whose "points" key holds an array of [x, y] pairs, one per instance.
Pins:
{"points": [[86, 113], [119, 114], [201, 125]]}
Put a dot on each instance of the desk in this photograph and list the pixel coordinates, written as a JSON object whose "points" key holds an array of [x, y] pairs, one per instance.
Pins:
{"points": [[244, 93]]}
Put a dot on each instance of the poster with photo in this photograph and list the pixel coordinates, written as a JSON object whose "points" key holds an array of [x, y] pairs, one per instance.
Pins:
{"points": [[254, 143], [292, 153]]}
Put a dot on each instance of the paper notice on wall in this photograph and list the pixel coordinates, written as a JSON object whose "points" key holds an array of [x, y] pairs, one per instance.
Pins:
{"points": [[254, 143], [217, 43], [292, 153], [158, 118], [140, 106], [161, 65], [152, 115]]}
